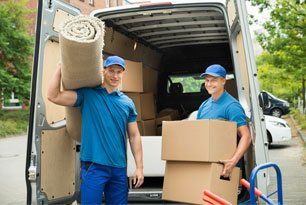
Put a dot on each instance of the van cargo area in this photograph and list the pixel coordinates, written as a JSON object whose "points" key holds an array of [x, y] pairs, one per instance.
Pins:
{"points": [[178, 43]]}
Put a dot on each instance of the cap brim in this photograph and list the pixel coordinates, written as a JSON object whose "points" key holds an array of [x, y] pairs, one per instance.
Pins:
{"points": [[203, 75], [114, 64]]}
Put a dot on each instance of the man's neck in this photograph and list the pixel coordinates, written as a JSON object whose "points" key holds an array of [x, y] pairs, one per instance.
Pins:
{"points": [[217, 95], [109, 88]]}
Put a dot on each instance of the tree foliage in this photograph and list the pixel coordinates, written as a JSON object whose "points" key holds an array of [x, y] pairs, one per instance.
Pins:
{"points": [[284, 62], [16, 47]]}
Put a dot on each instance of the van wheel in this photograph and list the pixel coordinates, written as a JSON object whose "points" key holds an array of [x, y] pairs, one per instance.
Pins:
{"points": [[269, 138], [276, 112]]}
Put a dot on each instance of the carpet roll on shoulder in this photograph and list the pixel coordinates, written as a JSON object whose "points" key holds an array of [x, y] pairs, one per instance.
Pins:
{"points": [[81, 41]]}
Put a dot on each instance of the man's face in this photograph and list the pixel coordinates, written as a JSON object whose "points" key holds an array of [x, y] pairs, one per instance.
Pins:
{"points": [[214, 84], [112, 75]]}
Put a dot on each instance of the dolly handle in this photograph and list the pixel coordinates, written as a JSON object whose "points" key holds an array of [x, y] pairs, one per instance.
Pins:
{"points": [[246, 184], [216, 198]]}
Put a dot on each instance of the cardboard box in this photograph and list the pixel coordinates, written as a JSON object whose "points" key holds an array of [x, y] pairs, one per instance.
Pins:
{"points": [[148, 109], [149, 79], [147, 127], [132, 80], [198, 140], [186, 181], [145, 105], [169, 115]]}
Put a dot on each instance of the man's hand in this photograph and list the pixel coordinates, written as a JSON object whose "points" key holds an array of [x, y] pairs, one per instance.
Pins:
{"points": [[138, 177], [228, 166]]}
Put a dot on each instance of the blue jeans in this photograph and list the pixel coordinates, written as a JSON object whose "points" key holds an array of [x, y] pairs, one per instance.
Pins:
{"points": [[97, 178]]}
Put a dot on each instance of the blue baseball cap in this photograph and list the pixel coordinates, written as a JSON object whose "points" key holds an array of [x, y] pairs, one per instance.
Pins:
{"points": [[215, 70], [114, 60]]}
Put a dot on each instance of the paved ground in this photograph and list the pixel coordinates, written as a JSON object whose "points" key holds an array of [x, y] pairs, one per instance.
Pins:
{"points": [[289, 156], [12, 166]]}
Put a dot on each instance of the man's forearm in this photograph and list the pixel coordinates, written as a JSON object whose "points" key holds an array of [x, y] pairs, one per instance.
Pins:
{"points": [[55, 85], [136, 147], [242, 147]]}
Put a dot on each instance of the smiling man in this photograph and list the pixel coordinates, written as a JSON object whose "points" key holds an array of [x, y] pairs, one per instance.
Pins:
{"points": [[107, 115], [221, 105]]}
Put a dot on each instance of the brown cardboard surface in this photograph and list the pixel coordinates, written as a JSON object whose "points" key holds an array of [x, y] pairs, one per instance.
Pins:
{"points": [[148, 110], [145, 105], [186, 181], [159, 120], [149, 80], [198, 140], [132, 77], [166, 115], [147, 127]]}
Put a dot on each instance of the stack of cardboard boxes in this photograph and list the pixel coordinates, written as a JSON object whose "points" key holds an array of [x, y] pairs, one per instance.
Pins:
{"points": [[192, 150], [140, 84]]}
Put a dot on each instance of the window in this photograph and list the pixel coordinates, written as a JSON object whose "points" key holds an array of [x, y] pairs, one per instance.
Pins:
{"points": [[190, 83], [107, 3]]}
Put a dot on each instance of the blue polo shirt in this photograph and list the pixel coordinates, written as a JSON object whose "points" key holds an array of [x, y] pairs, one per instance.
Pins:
{"points": [[104, 123], [225, 108]]}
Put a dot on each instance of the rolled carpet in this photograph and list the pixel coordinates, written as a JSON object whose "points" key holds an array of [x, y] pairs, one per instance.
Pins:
{"points": [[81, 41]]}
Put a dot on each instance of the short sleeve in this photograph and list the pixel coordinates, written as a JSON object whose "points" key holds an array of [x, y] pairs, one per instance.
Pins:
{"points": [[236, 114], [199, 111], [80, 97], [132, 113]]}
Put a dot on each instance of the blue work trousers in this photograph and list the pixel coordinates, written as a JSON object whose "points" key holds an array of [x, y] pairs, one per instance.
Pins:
{"points": [[97, 179]]}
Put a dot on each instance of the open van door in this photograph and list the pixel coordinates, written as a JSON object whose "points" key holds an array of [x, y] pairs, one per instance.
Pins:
{"points": [[244, 61], [51, 161]]}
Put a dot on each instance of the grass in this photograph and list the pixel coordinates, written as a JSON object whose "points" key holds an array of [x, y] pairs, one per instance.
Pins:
{"points": [[13, 122], [300, 119]]}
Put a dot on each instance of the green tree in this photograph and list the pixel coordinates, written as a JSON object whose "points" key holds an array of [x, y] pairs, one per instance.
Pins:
{"points": [[285, 43], [16, 47]]}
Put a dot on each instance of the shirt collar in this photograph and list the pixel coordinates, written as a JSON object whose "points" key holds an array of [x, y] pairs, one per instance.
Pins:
{"points": [[116, 92], [221, 98]]}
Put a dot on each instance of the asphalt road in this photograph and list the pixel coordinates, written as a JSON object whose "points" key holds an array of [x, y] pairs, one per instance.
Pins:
{"points": [[288, 155], [12, 168]]}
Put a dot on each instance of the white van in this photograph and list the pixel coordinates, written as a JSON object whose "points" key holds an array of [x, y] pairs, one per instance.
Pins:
{"points": [[178, 40]]}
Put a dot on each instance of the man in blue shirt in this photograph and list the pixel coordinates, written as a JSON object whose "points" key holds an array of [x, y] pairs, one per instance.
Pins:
{"points": [[221, 105], [107, 115]]}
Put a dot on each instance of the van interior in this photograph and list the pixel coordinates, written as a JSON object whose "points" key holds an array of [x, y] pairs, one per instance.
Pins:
{"points": [[179, 44]]}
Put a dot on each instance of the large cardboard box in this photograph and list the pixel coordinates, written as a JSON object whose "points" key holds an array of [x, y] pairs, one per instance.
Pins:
{"points": [[198, 140], [186, 181], [145, 105], [149, 79], [147, 127], [148, 109], [132, 80]]}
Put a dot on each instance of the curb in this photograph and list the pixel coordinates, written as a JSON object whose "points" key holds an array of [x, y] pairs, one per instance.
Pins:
{"points": [[302, 136]]}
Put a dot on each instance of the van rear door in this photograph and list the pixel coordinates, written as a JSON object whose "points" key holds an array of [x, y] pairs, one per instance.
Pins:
{"points": [[245, 69], [51, 163]]}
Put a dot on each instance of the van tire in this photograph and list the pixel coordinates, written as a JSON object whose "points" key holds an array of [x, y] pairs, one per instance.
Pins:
{"points": [[269, 138], [276, 112]]}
